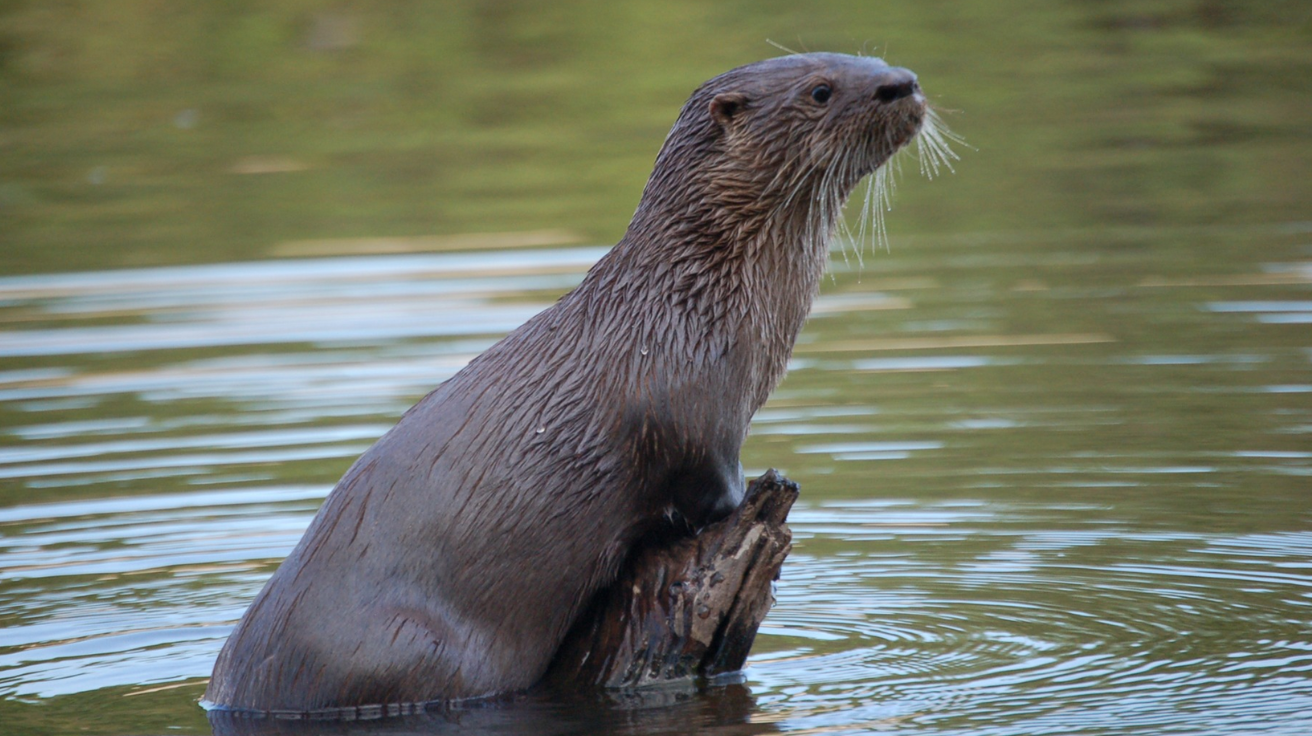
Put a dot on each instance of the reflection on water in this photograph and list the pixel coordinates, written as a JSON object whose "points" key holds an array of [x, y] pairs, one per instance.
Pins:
{"points": [[726, 709], [327, 301]]}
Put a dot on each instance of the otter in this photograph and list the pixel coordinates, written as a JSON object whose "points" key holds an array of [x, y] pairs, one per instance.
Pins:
{"points": [[453, 556]]}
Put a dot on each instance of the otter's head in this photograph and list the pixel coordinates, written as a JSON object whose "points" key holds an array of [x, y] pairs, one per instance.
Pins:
{"points": [[768, 142]]}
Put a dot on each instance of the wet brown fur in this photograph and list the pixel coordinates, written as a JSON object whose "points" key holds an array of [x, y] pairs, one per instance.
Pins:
{"points": [[454, 554]]}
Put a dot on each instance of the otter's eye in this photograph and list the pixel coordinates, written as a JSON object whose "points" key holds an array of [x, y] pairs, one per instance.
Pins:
{"points": [[821, 93]]}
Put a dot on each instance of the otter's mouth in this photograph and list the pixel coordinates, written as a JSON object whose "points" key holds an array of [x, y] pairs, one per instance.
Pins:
{"points": [[904, 120]]}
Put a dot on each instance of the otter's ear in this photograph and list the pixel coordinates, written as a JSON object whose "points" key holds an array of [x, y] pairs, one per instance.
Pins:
{"points": [[726, 106]]}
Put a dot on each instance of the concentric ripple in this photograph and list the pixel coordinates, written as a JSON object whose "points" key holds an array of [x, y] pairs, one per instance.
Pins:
{"points": [[957, 620]]}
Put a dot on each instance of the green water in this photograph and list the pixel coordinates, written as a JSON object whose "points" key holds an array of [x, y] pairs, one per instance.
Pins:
{"points": [[1055, 444]]}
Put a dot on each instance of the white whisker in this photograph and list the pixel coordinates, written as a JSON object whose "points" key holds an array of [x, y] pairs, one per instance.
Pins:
{"points": [[934, 145]]}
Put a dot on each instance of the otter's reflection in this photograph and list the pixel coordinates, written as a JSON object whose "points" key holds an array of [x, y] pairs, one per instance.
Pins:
{"points": [[724, 710]]}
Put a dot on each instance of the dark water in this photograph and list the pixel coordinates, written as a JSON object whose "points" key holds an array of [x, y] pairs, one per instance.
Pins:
{"points": [[1055, 446]]}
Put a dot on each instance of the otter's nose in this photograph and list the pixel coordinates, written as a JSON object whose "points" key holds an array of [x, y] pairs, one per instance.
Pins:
{"points": [[896, 84]]}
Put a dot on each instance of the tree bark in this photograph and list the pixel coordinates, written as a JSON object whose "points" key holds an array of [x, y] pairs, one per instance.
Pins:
{"points": [[688, 607]]}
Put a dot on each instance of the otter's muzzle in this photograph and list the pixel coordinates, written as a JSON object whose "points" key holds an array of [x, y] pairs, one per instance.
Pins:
{"points": [[896, 84]]}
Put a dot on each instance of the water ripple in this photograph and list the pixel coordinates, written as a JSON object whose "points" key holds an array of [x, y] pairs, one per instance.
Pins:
{"points": [[1058, 547], [948, 604]]}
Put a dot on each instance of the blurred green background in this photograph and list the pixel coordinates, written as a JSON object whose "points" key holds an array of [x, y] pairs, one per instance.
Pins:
{"points": [[140, 132]]}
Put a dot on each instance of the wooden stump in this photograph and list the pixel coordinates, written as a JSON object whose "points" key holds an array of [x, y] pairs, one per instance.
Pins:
{"points": [[688, 608]]}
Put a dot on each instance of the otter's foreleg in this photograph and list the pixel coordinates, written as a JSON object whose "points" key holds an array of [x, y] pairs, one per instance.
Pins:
{"points": [[709, 491]]}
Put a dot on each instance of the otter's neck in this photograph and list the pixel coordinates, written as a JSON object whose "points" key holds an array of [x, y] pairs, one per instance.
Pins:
{"points": [[733, 276]]}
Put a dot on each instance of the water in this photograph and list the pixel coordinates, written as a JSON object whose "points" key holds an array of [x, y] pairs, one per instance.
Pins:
{"points": [[1053, 446]]}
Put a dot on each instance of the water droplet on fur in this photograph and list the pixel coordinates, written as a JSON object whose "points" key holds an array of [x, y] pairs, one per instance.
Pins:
{"points": [[540, 430], [644, 350]]}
